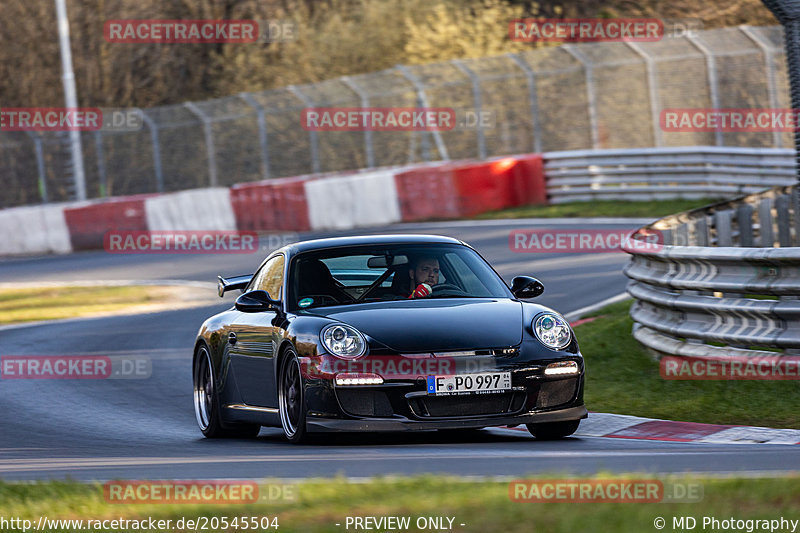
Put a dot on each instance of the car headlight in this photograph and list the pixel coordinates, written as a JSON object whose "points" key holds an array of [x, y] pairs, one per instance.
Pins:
{"points": [[552, 331], [344, 341]]}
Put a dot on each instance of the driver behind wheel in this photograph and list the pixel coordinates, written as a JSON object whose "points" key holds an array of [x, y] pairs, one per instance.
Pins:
{"points": [[424, 274]]}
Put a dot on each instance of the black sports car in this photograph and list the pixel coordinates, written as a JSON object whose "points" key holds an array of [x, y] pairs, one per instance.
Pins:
{"points": [[383, 333]]}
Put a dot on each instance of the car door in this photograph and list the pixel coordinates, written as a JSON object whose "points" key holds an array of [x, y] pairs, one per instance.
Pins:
{"points": [[254, 340]]}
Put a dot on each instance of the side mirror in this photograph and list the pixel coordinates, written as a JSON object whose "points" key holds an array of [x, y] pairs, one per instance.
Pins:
{"points": [[256, 302], [526, 287]]}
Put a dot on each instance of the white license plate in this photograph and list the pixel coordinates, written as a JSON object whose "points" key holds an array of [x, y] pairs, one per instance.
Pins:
{"points": [[469, 383]]}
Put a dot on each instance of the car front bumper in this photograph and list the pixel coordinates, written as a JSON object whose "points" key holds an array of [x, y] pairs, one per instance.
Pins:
{"points": [[322, 424]]}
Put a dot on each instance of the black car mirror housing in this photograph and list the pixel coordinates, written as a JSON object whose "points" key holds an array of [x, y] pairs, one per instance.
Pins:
{"points": [[526, 287], [256, 302]]}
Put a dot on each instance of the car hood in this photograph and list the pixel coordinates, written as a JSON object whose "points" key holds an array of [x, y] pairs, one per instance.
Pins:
{"points": [[435, 325]]}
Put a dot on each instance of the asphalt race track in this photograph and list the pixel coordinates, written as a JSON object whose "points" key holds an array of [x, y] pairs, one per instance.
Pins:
{"points": [[145, 429]]}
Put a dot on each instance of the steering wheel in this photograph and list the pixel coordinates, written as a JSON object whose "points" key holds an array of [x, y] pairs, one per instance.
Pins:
{"points": [[442, 287]]}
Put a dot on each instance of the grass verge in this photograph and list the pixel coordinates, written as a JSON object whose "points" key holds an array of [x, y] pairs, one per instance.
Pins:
{"points": [[51, 303], [480, 505], [623, 378], [604, 208]]}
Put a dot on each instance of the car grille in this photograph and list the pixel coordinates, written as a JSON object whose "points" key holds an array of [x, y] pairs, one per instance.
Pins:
{"points": [[467, 405], [365, 402], [553, 393]]}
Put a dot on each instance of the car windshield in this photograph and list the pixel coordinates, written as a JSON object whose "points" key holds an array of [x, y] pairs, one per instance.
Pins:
{"points": [[352, 275]]}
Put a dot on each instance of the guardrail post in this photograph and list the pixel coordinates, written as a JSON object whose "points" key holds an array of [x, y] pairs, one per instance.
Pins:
{"points": [[713, 87], [772, 86], [765, 233], [784, 220], [153, 127], [422, 100], [312, 134], [364, 97], [212, 154], [652, 86], [476, 99], [722, 223], [701, 231], [744, 220], [37, 147], [101, 163], [533, 97], [262, 132]]}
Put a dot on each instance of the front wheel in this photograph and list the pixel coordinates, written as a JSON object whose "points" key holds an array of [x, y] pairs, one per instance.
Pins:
{"points": [[206, 402], [553, 430], [291, 398]]}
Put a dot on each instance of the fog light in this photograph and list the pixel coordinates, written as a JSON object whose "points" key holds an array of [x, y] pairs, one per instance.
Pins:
{"points": [[350, 379], [561, 369]]}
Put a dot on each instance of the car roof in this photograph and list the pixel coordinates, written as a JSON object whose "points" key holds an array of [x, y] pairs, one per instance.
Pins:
{"points": [[357, 240]]}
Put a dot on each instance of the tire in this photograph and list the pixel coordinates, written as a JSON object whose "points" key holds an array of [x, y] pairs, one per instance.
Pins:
{"points": [[553, 430], [206, 402], [291, 398]]}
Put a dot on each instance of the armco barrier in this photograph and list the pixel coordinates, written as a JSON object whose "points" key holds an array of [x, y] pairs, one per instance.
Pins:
{"points": [[728, 273], [196, 209], [358, 200], [89, 223], [662, 173], [427, 193], [274, 205], [34, 230], [463, 189]]}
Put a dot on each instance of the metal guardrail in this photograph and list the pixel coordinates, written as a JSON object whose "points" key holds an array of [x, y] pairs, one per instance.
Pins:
{"points": [[660, 173], [726, 281]]}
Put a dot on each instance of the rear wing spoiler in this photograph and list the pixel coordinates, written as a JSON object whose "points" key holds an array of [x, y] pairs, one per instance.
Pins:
{"points": [[232, 283]]}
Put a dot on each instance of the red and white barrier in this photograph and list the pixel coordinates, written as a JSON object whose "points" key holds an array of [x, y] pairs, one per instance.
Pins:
{"points": [[34, 230], [197, 209], [360, 200], [339, 201]]}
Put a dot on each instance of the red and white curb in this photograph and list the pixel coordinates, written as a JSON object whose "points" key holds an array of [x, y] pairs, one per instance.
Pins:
{"points": [[638, 428]]}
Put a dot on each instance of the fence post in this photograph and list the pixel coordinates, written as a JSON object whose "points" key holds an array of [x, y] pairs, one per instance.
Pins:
{"points": [[153, 127], [422, 100], [590, 91], [101, 163], [478, 102], [772, 86], [713, 87], [212, 155], [37, 146], [312, 134], [652, 86], [364, 97], [533, 96], [262, 132]]}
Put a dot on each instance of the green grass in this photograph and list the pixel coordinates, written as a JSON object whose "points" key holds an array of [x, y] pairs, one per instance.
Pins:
{"points": [[623, 378], [604, 208], [26, 305], [480, 505]]}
